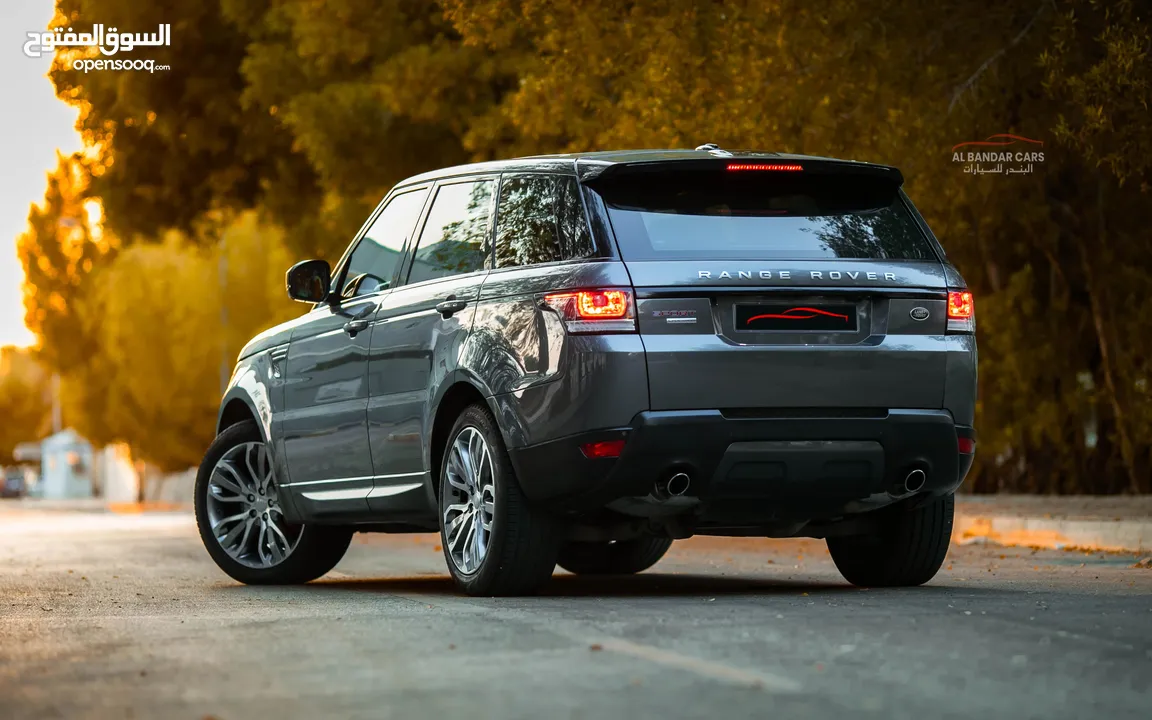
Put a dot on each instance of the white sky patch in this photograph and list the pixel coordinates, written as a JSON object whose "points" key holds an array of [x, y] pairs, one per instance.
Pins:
{"points": [[33, 124]]}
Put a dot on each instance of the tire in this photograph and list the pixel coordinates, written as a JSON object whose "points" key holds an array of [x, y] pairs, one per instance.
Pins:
{"points": [[619, 558], [516, 554], [316, 548], [907, 550]]}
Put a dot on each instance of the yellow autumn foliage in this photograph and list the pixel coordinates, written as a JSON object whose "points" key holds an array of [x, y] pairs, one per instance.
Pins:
{"points": [[165, 317]]}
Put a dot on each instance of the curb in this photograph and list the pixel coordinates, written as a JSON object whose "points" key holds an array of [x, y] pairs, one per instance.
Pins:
{"points": [[1053, 533], [147, 507]]}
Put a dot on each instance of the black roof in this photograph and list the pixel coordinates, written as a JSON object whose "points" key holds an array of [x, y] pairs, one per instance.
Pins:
{"points": [[591, 165]]}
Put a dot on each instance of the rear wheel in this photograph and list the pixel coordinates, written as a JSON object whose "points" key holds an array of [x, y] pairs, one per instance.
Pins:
{"points": [[242, 523], [613, 558], [907, 550], [494, 542]]}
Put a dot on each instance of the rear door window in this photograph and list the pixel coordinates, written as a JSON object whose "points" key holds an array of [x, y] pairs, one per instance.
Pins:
{"points": [[455, 236], [755, 216], [540, 219]]}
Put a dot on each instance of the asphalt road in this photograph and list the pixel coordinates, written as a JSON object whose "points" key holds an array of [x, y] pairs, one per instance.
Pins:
{"points": [[126, 617]]}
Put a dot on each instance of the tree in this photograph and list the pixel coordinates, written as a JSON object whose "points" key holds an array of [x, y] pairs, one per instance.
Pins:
{"points": [[63, 246], [24, 404], [156, 313], [308, 110], [172, 145]]}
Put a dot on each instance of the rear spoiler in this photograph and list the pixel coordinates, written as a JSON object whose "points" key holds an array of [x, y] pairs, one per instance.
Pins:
{"points": [[593, 172]]}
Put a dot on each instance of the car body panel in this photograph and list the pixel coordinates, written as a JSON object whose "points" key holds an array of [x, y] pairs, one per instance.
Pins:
{"points": [[687, 321], [414, 352], [519, 344], [326, 448], [601, 383]]}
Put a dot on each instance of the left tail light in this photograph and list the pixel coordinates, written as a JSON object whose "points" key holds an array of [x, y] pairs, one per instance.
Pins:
{"points": [[961, 312], [595, 311]]}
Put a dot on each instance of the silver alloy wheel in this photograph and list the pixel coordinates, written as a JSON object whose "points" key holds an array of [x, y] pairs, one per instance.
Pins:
{"points": [[469, 501], [244, 508]]}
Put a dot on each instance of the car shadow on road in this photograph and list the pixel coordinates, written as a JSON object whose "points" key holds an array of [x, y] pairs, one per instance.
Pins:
{"points": [[643, 585]]}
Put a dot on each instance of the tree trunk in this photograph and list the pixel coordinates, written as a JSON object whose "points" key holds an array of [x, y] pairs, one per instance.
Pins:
{"points": [[1098, 304]]}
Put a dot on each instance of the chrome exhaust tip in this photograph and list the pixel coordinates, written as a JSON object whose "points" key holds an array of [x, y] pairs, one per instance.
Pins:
{"points": [[914, 481], [678, 484], [674, 486]]}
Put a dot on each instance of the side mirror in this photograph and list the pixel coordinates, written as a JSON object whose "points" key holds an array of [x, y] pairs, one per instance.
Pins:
{"points": [[308, 281]]}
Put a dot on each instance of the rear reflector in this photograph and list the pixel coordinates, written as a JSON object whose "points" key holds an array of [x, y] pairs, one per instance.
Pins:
{"points": [[733, 167], [603, 449], [966, 446], [594, 311], [961, 312]]}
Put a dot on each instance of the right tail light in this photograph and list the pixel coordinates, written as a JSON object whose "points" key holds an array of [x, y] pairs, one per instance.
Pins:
{"points": [[961, 312], [594, 311]]}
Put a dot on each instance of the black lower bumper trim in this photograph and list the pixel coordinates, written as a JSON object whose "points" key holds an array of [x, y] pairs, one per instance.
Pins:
{"points": [[808, 460]]}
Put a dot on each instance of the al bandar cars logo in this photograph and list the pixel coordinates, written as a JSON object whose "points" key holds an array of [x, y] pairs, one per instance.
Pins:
{"points": [[992, 156]]}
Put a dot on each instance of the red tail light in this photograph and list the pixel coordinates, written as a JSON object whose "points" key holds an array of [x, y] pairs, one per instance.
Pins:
{"points": [[603, 449], [594, 311], [960, 305], [767, 167], [967, 446], [961, 312]]}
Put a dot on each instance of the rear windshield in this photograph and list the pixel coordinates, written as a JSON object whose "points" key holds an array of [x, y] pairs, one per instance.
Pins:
{"points": [[761, 216]]}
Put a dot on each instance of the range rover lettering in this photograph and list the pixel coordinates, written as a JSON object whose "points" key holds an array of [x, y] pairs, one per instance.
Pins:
{"points": [[578, 359]]}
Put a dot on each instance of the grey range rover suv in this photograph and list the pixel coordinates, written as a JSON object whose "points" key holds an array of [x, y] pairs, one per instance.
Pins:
{"points": [[577, 359]]}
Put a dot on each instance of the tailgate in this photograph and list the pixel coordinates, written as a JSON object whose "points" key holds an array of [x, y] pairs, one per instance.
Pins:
{"points": [[781, 289], [829, 342]]}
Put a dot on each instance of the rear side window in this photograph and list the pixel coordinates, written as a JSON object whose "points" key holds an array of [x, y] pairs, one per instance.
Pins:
{"points": [[455, 236], [760, 216], [540, 219]]}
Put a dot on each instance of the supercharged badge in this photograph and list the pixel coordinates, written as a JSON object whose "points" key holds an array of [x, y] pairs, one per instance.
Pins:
{"points": [[676, 317]]}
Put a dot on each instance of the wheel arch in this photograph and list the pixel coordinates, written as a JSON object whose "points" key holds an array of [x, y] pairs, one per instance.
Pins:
{"points": [[237, 407], [455, 398], [250, 395]]}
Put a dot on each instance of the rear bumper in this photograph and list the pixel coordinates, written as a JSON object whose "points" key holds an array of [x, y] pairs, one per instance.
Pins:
{"points": [[805, 464]]}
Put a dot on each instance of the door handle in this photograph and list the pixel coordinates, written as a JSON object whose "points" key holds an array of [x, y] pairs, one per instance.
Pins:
{"points": [[354, 326], [450, 306], [360, 321]]}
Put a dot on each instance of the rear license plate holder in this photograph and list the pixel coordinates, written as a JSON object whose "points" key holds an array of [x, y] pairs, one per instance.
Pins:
{"points": [[796, 317]]}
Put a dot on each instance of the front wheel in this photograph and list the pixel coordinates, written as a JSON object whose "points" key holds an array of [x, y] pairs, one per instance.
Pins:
{"points": [[625, 557], [494, 542], [906, 550], [242, 523]]}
